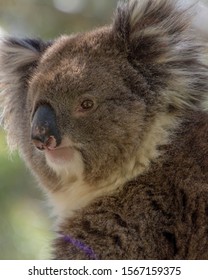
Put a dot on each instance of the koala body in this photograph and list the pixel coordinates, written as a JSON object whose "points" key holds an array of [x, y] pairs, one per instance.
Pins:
{"points": [[111, 123]]}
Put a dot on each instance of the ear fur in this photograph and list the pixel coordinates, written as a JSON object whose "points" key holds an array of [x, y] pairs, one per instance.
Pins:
{"points": [[148, 27], [159, 39], [18, 54], [18, 58]]}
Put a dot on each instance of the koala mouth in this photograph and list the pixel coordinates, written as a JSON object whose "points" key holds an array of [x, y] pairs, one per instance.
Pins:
{"points": [[56, 154], [65, 159], [60, 154]]}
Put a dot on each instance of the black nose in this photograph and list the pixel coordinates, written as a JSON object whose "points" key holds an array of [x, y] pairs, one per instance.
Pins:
{"points": [[44, 131]]}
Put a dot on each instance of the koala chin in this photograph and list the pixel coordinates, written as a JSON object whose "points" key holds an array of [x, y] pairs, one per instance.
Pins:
{"points": [[113, 125]]}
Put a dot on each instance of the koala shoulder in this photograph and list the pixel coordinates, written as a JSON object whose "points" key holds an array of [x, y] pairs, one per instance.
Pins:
{"points": [[159, 209]]}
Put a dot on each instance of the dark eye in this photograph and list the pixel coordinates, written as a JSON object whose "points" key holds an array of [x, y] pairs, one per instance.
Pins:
{"points": [[87, 104]]}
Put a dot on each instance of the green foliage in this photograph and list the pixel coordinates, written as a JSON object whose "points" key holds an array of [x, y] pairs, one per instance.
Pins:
{"points": [[24, 225]]}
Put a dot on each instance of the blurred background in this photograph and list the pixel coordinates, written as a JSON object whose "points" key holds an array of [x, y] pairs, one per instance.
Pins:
{"points": [[25, 223]]}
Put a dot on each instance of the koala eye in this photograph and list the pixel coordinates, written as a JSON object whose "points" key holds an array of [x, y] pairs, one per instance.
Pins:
{"points": [[84, 106], [87, 104]]}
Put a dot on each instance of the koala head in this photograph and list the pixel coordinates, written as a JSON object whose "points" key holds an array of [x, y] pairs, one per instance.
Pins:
{"points": [[94, 107]]}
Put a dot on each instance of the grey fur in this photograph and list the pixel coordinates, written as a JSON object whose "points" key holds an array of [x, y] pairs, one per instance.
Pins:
{"points": [[120, 189]]}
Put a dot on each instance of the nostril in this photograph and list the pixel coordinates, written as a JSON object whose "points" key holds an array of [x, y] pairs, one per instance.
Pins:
{"points": [[42, 143], [51, 143], [38, 144]]}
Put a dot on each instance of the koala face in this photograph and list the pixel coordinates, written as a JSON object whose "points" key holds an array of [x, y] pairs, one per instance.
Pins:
{"points": [[93, 108], [99, 118]]}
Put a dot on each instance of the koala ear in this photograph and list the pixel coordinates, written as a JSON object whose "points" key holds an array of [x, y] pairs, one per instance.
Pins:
{"points": [[159, 41], [18, 57], [147, 28]]}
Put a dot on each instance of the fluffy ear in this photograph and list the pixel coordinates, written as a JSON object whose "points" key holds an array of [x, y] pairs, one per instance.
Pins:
{"points": [[18, 59], [150, 28], [159, 40]]}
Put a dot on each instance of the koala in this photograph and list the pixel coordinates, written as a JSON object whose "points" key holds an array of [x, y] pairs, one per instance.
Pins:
{"points": [[113, 125]]}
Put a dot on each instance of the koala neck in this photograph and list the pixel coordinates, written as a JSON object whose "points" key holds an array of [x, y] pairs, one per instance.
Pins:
{"points": [[157, 134], [76, 194]]}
